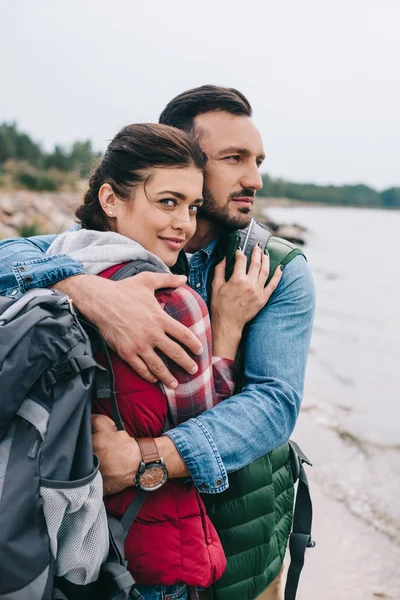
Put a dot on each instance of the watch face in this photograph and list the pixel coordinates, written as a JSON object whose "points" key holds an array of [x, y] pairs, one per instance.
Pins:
{"points": [[153, 477]]}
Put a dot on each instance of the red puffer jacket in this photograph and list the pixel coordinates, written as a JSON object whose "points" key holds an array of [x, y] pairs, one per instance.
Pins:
{"points": [[172, 539]]}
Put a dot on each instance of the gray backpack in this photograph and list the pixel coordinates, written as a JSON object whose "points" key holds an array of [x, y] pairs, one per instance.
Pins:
{"points": [[55, 537]]}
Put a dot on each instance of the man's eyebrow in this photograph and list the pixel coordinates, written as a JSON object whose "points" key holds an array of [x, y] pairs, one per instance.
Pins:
{"points": [[179, 195], [240, 151]]}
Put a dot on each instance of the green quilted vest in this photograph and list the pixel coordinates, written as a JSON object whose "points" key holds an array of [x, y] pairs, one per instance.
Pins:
{"points": [[253, 517]]}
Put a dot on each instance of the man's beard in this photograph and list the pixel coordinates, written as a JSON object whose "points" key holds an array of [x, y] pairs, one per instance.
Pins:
{"points": [[221, 215]]}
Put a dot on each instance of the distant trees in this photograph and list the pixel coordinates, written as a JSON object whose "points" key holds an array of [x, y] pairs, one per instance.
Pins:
{"points": [[24, 163], [345, 195]]}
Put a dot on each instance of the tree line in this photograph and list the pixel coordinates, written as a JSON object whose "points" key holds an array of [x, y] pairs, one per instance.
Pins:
{"points": [[345, 195], [26, 164]]}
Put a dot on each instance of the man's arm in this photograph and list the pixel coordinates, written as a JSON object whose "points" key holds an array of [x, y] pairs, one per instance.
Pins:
{"points": [[126, 312], [250, 424], [24, 265]]}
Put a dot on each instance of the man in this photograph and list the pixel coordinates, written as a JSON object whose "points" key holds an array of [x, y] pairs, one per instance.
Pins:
{"points": [[262, 416]]}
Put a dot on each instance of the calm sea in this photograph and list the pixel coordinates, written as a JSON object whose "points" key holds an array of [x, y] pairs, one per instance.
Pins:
{"points": [[353, 380]]}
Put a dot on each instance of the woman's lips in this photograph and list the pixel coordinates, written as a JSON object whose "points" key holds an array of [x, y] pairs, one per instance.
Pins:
{"points": [[173, 243]]}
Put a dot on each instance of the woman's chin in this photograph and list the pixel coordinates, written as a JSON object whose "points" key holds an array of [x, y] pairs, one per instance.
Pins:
{"points": [[169, 258]]}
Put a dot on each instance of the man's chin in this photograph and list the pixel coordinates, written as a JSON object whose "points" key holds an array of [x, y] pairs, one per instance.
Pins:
{"points": [[241, 218], [238, 219]]}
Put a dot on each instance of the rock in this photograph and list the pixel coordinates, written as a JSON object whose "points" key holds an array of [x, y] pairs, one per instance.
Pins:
{"points": [[291, 233], [42, 212]]}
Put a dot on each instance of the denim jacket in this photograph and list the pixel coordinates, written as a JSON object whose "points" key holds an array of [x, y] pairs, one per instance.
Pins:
{"points": [[247, 425]]}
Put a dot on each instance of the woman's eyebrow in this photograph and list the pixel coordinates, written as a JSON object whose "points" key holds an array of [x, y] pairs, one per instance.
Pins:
{"points": [[172, 193], [180, 196]]}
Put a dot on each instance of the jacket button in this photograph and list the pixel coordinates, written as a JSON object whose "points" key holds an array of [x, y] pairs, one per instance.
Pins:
{"points": [[28, 279], [219, 482]]}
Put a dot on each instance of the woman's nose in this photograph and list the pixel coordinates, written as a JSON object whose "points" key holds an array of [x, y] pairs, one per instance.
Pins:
{"points": [[182, 220]]}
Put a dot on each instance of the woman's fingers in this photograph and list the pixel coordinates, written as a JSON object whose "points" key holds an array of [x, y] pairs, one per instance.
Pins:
{"points": [[239, 269], [255, 263], [273, 284], [264, 270]]}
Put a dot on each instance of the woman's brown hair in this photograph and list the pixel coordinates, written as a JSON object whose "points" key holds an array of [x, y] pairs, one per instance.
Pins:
{"points": [[134, 151]]}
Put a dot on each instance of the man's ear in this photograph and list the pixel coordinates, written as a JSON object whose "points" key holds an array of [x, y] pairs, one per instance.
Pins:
{"points": [[108, 200]]}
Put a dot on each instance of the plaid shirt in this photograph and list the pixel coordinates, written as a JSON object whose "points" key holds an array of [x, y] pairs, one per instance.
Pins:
{"points": [[215, 378]]}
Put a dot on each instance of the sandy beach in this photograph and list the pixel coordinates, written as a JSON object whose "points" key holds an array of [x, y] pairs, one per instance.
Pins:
{"points": [[351, 559]]}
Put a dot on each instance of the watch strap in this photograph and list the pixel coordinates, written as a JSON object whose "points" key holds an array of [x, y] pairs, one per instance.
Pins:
{"points": [[148, 450]]}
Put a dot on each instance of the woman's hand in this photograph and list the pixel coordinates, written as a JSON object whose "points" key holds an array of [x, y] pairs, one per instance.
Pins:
{"points": [[237, 301]]}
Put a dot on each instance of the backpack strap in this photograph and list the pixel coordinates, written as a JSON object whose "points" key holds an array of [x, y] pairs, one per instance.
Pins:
{"points": [[254, 234], [300, 538], [134, 267], [280, 251]]}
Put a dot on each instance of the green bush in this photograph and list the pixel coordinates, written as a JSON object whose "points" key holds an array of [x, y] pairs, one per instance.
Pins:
{"points": [[37, 181], [28, 230]]}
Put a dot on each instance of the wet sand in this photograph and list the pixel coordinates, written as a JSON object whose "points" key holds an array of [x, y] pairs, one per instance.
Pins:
{"points": [[351, 559]]}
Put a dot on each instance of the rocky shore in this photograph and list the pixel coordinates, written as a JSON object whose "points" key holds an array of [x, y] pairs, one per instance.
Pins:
{"points": [[24, 213]]}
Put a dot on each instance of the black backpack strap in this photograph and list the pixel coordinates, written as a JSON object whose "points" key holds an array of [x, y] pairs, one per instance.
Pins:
{"points": [[300, 538], [133, 268], [132, 511], [105, 387]]}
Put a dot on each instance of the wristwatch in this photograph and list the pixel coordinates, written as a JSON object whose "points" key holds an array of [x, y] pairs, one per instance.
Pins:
{"points": [[152, 472]]}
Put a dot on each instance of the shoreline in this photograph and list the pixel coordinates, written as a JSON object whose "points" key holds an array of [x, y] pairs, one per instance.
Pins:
{"points": [[352, 559]]}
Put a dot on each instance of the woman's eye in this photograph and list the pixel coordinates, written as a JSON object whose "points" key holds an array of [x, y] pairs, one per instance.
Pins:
{"points": [[194, 208], [170, 202]]}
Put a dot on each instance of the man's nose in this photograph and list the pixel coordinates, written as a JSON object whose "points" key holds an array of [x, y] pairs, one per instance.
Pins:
{"points": [[251, 178]]}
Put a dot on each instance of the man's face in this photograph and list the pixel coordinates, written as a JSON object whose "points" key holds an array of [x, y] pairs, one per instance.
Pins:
{"points": [[235, 152]]}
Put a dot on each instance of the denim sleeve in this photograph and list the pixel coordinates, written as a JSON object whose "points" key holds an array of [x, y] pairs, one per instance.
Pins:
{"points": [[262, 417], [25, 265]]}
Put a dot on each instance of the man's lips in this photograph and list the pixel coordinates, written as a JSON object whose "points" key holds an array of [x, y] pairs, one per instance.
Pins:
{"points": [[245, 200], [173, 243]]}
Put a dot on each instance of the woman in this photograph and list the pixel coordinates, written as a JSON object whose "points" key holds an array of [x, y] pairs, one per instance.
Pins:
{"points": [[142, 203]]}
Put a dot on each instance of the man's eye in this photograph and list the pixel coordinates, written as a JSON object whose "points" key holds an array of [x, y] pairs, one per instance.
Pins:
{"points": [[259, 163], [170, 202], [234, 157]]}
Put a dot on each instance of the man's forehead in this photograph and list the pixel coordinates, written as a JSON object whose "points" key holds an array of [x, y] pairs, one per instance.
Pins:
{"points": [[219, 129]]}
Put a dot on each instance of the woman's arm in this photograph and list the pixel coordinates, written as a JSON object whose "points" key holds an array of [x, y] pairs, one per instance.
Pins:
{"points": [[215, 378]]}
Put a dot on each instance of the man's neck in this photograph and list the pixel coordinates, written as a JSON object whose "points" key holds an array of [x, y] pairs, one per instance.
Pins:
{"points": [[206, 232]]}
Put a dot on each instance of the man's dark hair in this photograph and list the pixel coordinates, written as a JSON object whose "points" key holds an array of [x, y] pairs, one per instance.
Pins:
{"points": [[183, 109]]}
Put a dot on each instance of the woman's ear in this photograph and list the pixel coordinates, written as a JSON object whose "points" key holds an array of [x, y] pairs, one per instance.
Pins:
{"points": [[108, 200]]}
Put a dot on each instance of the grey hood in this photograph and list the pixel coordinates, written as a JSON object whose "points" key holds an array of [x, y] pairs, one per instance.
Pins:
{"points": [[99, 250]]}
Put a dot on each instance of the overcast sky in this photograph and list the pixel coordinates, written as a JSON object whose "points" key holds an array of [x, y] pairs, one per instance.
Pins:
{"points": [[323, 76]]}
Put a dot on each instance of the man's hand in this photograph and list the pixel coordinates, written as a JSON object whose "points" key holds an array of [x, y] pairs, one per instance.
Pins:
{"points": [[118, 453], [120, 457], [133, 323]]}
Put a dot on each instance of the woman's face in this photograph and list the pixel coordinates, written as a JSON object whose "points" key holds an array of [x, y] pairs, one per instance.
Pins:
{"points": [[162, 215]]}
